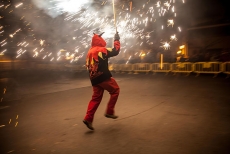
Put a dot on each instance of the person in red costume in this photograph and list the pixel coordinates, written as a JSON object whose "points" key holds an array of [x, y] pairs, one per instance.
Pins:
{"points": [[101, 78]]}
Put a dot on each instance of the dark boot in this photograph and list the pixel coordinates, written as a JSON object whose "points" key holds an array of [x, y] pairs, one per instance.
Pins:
{"points": [[111, 116], [88, 124]]}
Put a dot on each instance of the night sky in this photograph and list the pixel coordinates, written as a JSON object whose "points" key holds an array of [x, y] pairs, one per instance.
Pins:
{"points": [[205, 12]]}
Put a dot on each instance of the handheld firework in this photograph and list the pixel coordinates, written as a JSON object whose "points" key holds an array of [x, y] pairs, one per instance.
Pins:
{"points": [[114, 13]]}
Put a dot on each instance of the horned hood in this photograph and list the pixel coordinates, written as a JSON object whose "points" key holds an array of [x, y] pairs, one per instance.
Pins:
{"points": [[98, 41]]}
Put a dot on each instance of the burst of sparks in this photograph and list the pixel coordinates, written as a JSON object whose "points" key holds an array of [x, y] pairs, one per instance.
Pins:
{"points": [[170, 22], [173, 37], [132, 25], [158, 4], [167, 4], [42, 42], [165, 45]]}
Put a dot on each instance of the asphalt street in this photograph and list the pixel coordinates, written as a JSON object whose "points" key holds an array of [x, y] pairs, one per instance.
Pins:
{"points": [[158, 114]]}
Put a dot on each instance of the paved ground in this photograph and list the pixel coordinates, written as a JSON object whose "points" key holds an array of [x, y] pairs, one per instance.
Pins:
{"points": [[158, 114]]}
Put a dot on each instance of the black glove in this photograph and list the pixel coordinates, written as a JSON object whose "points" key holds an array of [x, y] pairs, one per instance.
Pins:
{"points": [[116, 37]]}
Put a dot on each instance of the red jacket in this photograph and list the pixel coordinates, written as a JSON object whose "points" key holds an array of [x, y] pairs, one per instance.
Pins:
{"points": [[97, 59]]}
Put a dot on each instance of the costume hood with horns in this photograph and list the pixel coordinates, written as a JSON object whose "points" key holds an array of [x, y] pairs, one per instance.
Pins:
{"points": [[97, 59]]}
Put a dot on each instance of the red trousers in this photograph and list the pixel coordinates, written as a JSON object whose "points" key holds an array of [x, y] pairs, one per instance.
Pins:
{"points": [[112, 87]]}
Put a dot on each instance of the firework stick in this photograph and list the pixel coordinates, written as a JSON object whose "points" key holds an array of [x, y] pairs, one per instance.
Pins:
{"points": [[114, 13]]}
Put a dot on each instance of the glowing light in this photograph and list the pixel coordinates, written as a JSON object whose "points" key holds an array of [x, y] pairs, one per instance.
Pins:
{"points": [[20, 4], [167, 4], [158, 4], [42, 42], [173, 9], [36, 54], [173, 37], [143, 54], [18, 55], [3, 44], [182, 47], [70, 6], [42, 50], [2, 53], [165, 45], [26, 45], [170, 22]]}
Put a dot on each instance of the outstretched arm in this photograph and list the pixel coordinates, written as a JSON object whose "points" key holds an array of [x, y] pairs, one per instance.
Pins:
{"points": [[116, 49]]}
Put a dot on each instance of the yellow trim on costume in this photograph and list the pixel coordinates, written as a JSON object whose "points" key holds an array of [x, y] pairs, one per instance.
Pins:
{"points": [[109, 49], [100, 55], [92, 62]]}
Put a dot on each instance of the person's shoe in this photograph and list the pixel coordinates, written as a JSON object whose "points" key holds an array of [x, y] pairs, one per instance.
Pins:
{"points": [[88, 124], [111, 116]]}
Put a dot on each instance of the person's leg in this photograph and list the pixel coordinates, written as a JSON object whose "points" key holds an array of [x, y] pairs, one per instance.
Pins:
{"points": [[112, 87], [94, 103]]}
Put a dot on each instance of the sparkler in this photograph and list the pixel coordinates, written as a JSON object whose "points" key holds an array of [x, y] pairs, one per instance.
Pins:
{"points": [[114, 13]]}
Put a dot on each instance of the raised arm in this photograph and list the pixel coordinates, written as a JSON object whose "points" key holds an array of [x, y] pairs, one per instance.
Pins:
{"points": [[116, 49]]}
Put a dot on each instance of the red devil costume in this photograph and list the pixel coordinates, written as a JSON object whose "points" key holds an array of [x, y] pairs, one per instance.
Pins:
{"points": [[101, 77]]}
